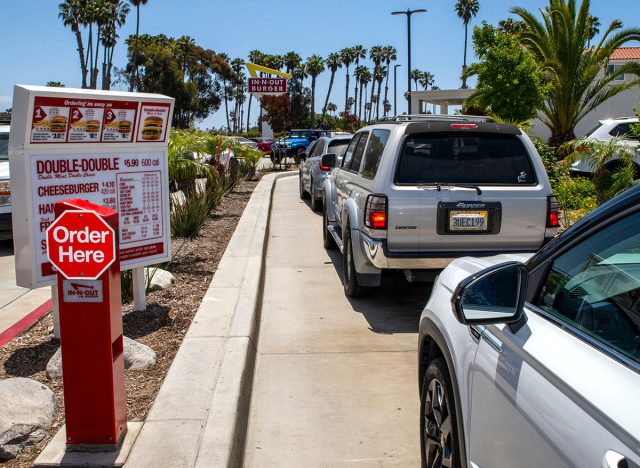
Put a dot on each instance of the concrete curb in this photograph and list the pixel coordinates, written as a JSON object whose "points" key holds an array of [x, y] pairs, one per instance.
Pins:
{"points": [[200, 415]]}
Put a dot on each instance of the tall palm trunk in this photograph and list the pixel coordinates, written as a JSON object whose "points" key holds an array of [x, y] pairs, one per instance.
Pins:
{"points": [[104, 67], [94, 78], [386, 91], [89, 56], [226, 103], [378, 99], [464, 62], [313, 100], [249, 112], [346, 95], [83, 65], [373, 93], [360, 105], [326, 101], [134, 76]]}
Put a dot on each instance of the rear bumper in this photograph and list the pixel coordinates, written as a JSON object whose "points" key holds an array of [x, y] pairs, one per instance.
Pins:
{"points": [[377, 253], [6, 226]]}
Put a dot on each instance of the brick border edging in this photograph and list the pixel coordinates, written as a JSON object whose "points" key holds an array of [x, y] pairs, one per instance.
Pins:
{"points": [[25, 322]]}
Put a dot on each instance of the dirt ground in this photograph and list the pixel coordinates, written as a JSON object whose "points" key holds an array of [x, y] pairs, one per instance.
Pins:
{"points": [[162, 326]]}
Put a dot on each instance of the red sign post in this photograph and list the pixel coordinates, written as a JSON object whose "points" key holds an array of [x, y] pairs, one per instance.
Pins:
{"points": [[81, 244]]}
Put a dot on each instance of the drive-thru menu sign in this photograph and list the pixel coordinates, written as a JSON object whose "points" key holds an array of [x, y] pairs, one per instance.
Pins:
{"points": [[109, 148]]}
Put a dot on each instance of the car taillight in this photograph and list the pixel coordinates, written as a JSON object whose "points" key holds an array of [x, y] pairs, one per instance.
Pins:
{"points": [[324, 168], [375, 212], [553, 212], [463, 126]]}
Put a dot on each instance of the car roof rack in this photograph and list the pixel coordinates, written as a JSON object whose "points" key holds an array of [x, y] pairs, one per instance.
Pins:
{"points": [[434, 118]]}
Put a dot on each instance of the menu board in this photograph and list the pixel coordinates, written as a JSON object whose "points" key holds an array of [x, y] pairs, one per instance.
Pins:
{"points": [[63, 120], [154, 121], [131, 183]]}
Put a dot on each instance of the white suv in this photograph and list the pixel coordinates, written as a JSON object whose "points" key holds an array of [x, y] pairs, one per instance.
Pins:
{"points": [[5, 185], [605, 131], [416, 192]]}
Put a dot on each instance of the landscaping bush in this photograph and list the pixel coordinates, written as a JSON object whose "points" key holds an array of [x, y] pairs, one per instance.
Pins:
{"points": [[189, 215]]}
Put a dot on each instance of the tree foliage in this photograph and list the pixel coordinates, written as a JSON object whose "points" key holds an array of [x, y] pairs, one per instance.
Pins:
{"points": [[181, 69], [510, 83]]}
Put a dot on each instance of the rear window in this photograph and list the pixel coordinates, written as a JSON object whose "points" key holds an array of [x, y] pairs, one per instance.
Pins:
{"points": [[338, 147], [470, 159], [4, 146]]}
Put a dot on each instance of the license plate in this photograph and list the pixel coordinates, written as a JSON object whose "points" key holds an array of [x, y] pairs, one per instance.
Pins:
{"points": [[468, 221]]}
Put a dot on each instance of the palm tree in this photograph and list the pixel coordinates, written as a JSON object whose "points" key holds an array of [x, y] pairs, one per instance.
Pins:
{"points": [[363, 75], [314, 66], [416, 75], [72, 15], [376, 54], [117, 16], [466, 10], [427, 79], [333, 62], [225, 90], [348, 55], [509, 26], [594, 28], [136, 3], [378, 77], [291, 61], [390, 53], [331, 107], [558, 44], [360, 53]]}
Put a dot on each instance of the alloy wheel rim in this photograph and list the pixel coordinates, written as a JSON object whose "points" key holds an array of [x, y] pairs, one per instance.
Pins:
{"points": [[437, 427]]}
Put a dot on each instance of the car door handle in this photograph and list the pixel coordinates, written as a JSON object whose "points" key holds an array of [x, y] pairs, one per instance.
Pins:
{"points": [[613, 459]]}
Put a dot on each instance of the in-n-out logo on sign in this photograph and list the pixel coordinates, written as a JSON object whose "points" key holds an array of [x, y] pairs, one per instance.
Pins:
{"points": [[82, 291], [81, 245], [268, 85]]}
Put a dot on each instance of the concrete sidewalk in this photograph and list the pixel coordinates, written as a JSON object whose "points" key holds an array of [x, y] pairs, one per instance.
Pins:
{"points": [[199, 417], [15, 302]]}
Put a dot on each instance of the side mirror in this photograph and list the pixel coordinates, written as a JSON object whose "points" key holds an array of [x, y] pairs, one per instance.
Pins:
{"points": [[328, 160], [302, 156], [493, 295]]}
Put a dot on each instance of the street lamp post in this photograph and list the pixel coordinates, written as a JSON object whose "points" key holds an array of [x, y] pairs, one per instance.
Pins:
{"points": [[408, 13], [395, 88]]}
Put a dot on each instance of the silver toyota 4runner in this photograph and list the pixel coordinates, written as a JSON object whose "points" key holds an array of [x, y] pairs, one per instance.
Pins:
{"points": [[415, 192]]}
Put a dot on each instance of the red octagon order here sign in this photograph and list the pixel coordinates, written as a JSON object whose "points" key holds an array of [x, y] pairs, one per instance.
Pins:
{"points": [[81, 245]]}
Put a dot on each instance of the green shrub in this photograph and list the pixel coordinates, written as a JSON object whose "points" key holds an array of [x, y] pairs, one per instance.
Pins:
{"points": [[576, 194], [556, 170], [189, 215]]}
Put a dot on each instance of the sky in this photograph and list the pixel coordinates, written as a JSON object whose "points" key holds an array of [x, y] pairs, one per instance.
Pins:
{"points": [[35, 47]]}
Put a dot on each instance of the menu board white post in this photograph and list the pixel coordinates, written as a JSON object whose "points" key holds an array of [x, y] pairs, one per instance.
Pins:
{"points": [[106, 147]]}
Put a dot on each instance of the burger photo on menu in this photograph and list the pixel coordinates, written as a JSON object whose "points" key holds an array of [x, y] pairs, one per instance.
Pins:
{"points": [[124, 126], [58, 124], [152, 128], [93, 126]]}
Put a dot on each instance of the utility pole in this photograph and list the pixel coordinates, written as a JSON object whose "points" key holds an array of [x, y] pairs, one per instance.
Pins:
{"points": [[408, 13], [395, 88]]}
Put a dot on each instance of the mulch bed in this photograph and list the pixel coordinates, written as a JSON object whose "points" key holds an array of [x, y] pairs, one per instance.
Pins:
{"points": [[162, 326]]}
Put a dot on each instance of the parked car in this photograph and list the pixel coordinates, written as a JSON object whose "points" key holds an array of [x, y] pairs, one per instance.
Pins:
{"points": [[6, 231], [295, 143], [605, 131], [245, 141], [415, 193], [264, 144], [538, 363], [312, 173]]}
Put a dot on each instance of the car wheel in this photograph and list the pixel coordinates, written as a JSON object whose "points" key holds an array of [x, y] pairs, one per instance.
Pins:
{"points": [[438, 425], [316, 203], [327, 239], [303, 193], [350, 282]]}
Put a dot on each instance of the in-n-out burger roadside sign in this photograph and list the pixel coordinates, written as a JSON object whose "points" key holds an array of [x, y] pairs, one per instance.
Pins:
{"points": [[108, 148], [81, 245]]}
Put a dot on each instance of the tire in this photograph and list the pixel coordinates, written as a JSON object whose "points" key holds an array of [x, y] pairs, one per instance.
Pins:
{"points": [[328, 241], [439, 445], [303, 193], [316, 204], [350, 279]]}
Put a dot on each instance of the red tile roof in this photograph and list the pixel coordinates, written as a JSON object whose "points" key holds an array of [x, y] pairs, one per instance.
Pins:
{"points": [[626, 53]]}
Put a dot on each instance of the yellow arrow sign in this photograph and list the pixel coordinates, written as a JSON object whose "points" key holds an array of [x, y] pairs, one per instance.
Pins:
{"points": [[254, 69]]}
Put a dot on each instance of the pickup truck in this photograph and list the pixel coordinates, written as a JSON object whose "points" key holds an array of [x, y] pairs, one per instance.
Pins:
{"points": [[415, 192]]}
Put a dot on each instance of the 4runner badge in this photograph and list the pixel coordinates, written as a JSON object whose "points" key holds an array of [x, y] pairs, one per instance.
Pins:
{"points": [[470, 205]]}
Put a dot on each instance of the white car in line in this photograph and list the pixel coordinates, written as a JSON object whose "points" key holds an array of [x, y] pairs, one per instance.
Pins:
{"points": [[537, 364], [605, 131], [5, 185]]}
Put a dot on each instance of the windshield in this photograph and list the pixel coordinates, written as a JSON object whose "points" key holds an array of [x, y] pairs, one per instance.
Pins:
{"points": [[483, 159], [297, 134], [4, 146], [338, 147]]}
